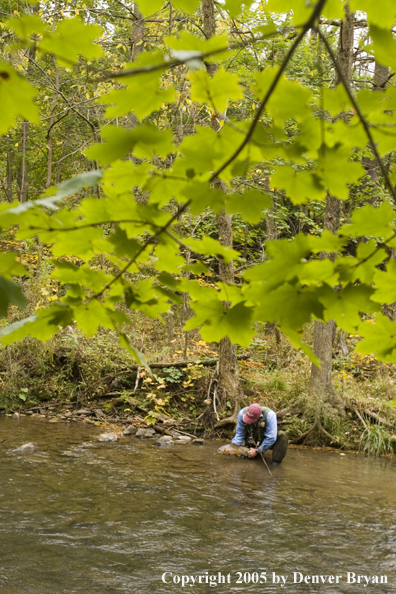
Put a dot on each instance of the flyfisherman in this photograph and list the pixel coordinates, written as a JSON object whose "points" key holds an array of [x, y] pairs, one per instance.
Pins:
{"points": [[257, 427]]}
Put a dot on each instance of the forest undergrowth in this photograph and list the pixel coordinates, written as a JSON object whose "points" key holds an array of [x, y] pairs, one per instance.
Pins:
{"points": [[71, 371]]}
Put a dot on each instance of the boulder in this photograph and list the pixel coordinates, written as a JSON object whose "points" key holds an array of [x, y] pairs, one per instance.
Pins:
{"points": [[182, 439], [145, 432], [165, 441], [130, 430], [165, 438]]}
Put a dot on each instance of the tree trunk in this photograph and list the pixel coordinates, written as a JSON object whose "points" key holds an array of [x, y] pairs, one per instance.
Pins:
{"points": [[272, 234], [137, 35], [8, 189], [380, 79], [23, 189], [23, 185], [64, 150], [50, 127], [324, 334], [228, 362], [320, 382], [228, 373]]}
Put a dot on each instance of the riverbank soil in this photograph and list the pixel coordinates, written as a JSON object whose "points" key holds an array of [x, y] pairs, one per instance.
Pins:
{"points": [[72, 378]]}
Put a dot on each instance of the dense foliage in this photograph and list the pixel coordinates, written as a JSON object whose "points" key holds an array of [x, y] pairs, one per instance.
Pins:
{"points": [[251, 121]]}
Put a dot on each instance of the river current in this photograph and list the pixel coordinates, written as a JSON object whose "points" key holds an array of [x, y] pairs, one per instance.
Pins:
{"points": [[82, 517]]}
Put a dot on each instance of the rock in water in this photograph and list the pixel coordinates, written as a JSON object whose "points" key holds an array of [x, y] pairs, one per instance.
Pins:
{"points": [[131, 430], [107, 437], [26, 448], [145, 432], [182, 439], [165, 441], [233, 450]]}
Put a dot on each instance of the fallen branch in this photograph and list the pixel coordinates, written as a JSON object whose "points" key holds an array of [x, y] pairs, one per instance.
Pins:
{"points": [[167, 432], [357, 413], [162, 430], [204, 362], [379, 419], [373, 415]]}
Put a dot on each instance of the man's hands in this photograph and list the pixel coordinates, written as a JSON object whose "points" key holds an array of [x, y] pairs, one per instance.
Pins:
{"points": [[252, 453]]}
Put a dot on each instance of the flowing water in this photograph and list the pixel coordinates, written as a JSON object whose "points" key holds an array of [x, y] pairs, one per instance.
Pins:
{"points": [[80, 516]]}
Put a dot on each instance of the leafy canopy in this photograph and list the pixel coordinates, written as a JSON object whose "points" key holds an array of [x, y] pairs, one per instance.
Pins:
{"points": [[308, 142]]}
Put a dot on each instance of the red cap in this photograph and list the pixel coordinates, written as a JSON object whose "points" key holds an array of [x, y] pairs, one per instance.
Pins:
{"points": [[252, 414]]}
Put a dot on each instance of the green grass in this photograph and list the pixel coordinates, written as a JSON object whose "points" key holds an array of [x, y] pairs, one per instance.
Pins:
{"points": [[376, 441]]}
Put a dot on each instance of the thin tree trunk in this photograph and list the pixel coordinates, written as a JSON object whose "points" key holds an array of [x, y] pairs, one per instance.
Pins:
{"points": [[380, 79], [228, 373], [50, 127], [137, 33], [23, 189], [23, 186], [272, 234], [9, 176], [320, 382], [64, 150]]}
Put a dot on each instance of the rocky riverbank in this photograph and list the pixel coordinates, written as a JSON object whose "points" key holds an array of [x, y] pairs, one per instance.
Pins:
{"points": [[165, 435]]}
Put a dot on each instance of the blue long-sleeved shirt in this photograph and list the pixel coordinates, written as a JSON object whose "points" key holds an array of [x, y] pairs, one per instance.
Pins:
{"points": [[271, 431]]}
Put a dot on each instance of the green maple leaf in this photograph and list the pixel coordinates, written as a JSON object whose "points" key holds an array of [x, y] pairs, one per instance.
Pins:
{"points": [[16, 98], [379, 338], [71, 39], [216, 90]]}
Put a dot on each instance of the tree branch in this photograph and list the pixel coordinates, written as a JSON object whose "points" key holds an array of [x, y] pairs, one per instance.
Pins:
{"points": [[308, 25], [356, 107]]}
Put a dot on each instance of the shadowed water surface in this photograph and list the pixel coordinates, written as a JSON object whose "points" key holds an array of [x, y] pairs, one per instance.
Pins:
{"points": [[80, 516]]}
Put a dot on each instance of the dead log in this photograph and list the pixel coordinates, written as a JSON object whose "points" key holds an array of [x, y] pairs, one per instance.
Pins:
{"points": [[379, 419], [204, 362]]}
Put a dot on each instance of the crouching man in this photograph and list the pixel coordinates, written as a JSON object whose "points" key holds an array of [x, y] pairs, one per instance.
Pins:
{"points": [[257, 428]]}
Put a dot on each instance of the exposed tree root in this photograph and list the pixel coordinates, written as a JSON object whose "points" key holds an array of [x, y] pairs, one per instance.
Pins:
{"points": [[316, 426], [304, 436], [232, 420]]}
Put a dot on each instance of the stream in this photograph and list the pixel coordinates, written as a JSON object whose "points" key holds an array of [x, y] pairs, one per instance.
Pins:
{"points": [[78, 516]]}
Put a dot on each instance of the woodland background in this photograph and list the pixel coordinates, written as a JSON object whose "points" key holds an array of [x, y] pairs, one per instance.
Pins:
{"points": [[200, 71]]}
